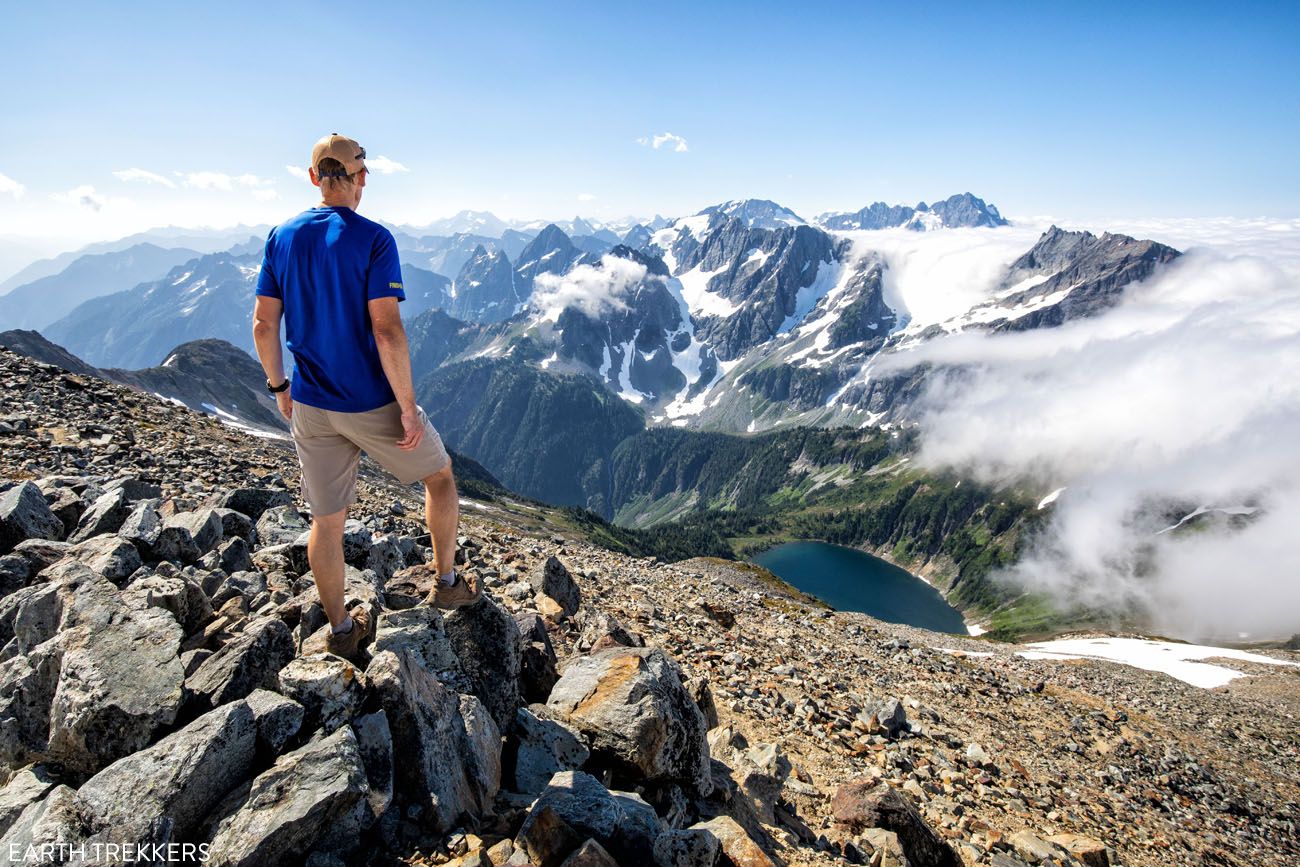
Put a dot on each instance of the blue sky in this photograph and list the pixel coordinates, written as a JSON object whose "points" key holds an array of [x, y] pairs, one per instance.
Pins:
{"points": [[535, 110]]}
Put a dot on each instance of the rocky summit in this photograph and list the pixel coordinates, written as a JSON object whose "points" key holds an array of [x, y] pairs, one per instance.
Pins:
{"points": [[593, 709]]}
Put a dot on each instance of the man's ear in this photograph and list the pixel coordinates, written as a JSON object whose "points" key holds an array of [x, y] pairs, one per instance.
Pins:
{"points": [[311, 173]]}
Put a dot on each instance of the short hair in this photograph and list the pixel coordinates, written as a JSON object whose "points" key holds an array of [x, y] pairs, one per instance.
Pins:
{"points": [[330, 169]]}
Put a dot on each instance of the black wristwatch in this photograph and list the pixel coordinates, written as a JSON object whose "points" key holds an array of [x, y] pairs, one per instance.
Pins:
{"points": [[277, 389]]}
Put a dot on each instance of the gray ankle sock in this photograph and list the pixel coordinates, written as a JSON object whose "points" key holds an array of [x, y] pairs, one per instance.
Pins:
{"points": [[345, 626], [448, 579]]}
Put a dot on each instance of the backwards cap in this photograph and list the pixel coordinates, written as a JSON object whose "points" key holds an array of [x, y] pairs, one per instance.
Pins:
{"points": [[341, 148]]}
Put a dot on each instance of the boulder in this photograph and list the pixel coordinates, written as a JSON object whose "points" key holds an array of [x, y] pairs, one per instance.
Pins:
{"points": [[590, 854], [601, 630], [237, 525], [537, 661], [311, 798], [253, 501], [41, 554], [15, 573], [234, 556], [1085, 849], [575, 807], [204, 526], [144, 528], [630, 705], [486, 641], [135, 488], [106, 515], [552, 579], [56, 819], [170, 787], [866, 803], [738, 848], [24, 514], [386, 558], [100, 680], [450, 747], [1031, 847], [26, 787], [177, 594], [890, 716], [761, 772], [280, 525], [689, 847], [330, 689], [541, 748], [375, 741], [251, 660], [278, 719], [420, 632], [67, 507], [113, 557], [409, 587]]}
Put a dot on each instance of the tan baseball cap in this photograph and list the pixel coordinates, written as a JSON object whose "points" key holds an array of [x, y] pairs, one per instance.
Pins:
{"points": [[341, 148]]}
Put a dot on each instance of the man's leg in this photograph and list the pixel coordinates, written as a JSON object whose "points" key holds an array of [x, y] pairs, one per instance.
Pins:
{"points": [[442, 512], [325, 554]]}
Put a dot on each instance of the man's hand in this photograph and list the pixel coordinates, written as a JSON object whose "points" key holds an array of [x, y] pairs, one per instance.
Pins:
{"points": [[285, 402], [412, 428]]}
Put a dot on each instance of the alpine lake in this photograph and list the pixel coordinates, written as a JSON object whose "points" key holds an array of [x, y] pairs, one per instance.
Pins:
{"points": [[852, 580]]}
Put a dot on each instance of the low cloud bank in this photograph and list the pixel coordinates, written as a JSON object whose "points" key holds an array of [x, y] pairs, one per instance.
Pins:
{"points": [[1187, 395]]}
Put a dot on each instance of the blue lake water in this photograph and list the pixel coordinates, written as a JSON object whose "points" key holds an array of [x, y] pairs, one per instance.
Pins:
{"points": [[850, 580]]}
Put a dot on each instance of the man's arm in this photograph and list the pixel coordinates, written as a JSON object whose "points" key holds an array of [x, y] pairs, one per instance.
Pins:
{"points": [[266, 338], [395, 356]]}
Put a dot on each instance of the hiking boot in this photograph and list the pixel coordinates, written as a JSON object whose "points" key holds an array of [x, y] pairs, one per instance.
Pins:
{"points": [[465, 591], [344, 644]]}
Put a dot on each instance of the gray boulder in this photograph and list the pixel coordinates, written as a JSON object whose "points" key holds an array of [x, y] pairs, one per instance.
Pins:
{"points": [[55, 820], [537, 660], [28, 786], [177, 594], [144, 528], [237, 525], [450, 747], [280, 525], [375, 741], [311, 799], [100, 680], [113, 557], [251, 660], [574, 805], [253, 502], [204, 527], [106, 515], [41, 554], [630, 705], [553, 579], [24, 514], [689, 847], [486, 641], [278, 719], [863, 804], [173, 784], [386, 558], [330, 689], [542, 747], [419, 631]]}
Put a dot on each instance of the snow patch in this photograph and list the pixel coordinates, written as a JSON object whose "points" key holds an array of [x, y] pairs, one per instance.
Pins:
{"points": [[1181, 661]]}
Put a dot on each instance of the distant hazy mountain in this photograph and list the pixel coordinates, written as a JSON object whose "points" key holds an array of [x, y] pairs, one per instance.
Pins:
{"points": [[198, 240], [465, 223], [963, 210], [47, 299], [211, 296]]}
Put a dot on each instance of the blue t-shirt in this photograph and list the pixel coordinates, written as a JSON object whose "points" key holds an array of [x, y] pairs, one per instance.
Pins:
{"points": [[325, 265]]}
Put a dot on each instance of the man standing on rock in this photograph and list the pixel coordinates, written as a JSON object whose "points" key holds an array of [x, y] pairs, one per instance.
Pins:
{"points": [[334, 278]]}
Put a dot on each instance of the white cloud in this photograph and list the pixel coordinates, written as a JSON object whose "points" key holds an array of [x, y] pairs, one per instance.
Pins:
{"points": [[298, 172], [83, 195], [591, 289], [265, 195], [12, 187], [1184, 396], [144, 176], [384, 165], [219, 181], [586, 197], [664, 140]]}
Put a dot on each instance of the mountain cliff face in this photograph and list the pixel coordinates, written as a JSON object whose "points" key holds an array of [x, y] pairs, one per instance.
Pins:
{"points": [[484, 290], [960, 211]]}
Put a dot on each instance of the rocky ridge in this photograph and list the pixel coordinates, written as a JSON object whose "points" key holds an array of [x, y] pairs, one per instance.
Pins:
{"points": [[594, 709]]}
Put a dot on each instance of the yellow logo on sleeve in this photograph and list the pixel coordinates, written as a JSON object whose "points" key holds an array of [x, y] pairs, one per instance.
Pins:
{"points": [[394, 285]]}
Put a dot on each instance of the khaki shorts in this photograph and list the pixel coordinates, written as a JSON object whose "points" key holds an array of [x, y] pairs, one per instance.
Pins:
{"points": [[330, 445]]}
